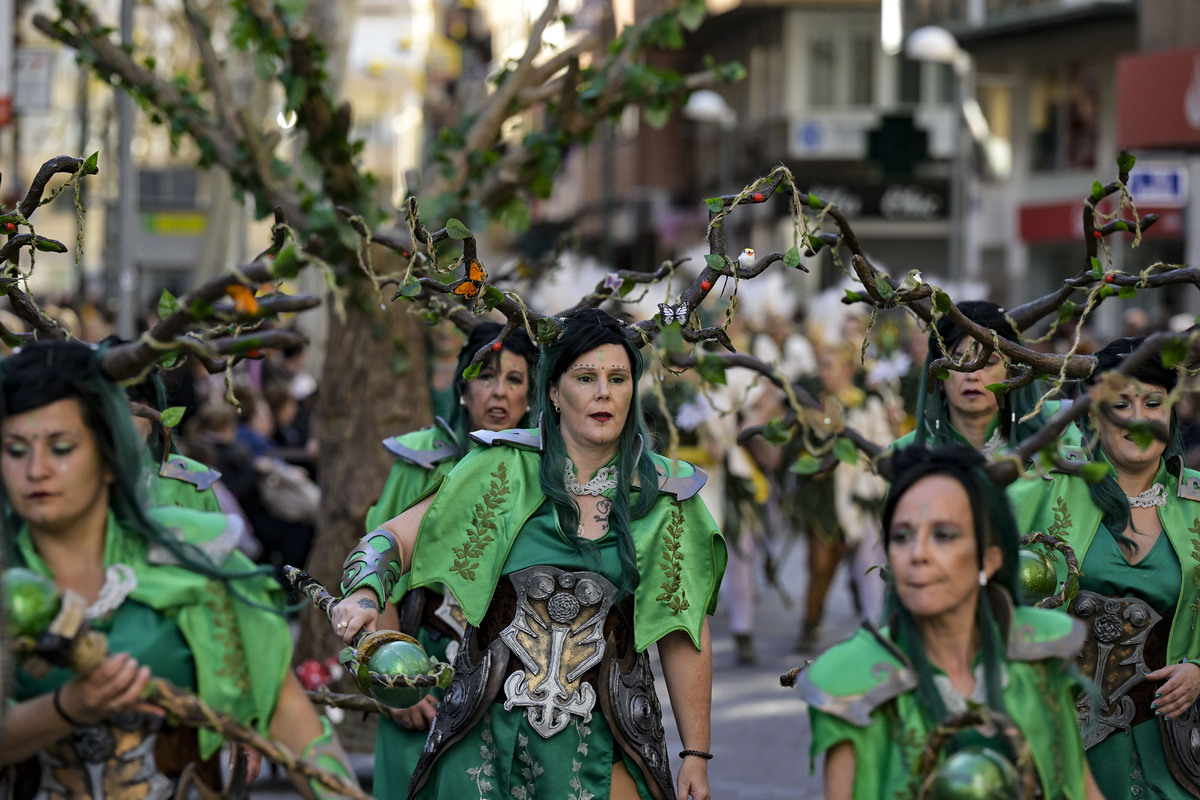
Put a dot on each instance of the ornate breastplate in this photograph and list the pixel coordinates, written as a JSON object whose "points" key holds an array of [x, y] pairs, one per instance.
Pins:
{"points": [[109, 760]]}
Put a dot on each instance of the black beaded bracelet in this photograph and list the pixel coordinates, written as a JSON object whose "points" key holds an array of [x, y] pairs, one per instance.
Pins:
{"points": [[58, 707], [699, 753]]}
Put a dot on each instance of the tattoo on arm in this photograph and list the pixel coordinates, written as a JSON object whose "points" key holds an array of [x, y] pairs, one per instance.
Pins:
{"points": [[603, 507], [368, 603]]}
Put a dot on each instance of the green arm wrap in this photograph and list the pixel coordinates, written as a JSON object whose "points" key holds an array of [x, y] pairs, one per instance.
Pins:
{"points": [[327, 753], [374, 563]]}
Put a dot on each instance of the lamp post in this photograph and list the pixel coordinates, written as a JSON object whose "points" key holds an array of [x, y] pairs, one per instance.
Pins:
{"points": [[706, 106], [936, 44]]}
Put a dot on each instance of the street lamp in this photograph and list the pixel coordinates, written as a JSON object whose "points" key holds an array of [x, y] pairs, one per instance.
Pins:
{"points": [[707, 106], [936, 44]]}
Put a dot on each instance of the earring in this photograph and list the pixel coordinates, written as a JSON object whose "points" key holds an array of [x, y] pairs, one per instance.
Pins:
{"points": [[983, 578], [556, 411], [462, 401]]}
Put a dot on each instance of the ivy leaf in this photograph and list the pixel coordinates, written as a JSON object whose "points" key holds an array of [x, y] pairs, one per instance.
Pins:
{"points": [[806, 465], [92, 165], [776, 432], [1141, 434], [168, 304], [814, 202], [711, 369], [670, 337], [472, 372], [456, 230], [1127, 292], [852, 296], [815, 243], [1097, 190], [411, 287], [941, 302], [885, 289], [288, 262], [1120, 225], [715, 204], [845, 451], [791, 259], [626, 286], [1125, 161], [1097, 268], [49, 245], [1066, 311], [656, 117], [692, 13], [997, 388], [172, 416], [492, 297], [1095, 472], [715, 261], [547, 331], [1174, 351]]}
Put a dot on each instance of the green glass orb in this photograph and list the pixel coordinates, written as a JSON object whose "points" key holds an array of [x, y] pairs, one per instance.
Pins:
{"points": [[1037, 577], [975, 773], [30, 602], [399, 658]]}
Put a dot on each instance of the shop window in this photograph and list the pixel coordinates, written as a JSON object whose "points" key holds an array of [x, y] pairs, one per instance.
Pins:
{"points": [[1064, 117]]}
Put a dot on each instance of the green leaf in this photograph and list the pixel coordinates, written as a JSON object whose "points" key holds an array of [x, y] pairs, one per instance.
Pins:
{"points": [[815, 243], [1106, 291], [1174, 352], [845, 451], [92, 164], [547, 332], [492, 297], [168, 304], [814, 202], [853, 296], [670, 337], [456, 230], [715, 261], [884, 288], [1125, 161], [1141, 434], [1095, 471], [776, 432], [411, 287], [1072, 589], [1120, 225], [49, 245], [711, 369], [806, 465], [1097, 190], [172, 416], [791, 259], [942, 374], [692, 13], [626, 286], [1066, 311], [656, 116], [941, 302], [472, 372], [1127, 292], [288, 262], [715, 204], [1097, 268], [997, 388]]}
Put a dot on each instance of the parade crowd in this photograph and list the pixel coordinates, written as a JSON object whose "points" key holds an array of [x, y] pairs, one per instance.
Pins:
{"points": [[562, 515]]}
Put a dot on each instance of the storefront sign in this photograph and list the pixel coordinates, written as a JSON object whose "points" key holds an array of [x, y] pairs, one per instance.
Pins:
{"points": [[1158, 99]]}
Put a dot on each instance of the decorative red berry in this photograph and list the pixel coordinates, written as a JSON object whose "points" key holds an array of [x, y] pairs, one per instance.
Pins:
{"points": [[1096, 234], [496, 346], [1108, 278], [8, 226], [706, 285], [758, 197]]}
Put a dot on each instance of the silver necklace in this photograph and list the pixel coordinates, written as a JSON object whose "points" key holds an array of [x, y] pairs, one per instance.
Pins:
{"points": [[605, 479], [119, 582], [1156, 495]]}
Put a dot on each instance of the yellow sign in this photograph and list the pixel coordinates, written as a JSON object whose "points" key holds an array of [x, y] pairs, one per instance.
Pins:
{"points": [[175, 223]]}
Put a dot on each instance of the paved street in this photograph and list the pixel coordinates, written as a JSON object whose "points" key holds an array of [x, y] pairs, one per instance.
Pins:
{"points": [[760, 729]]}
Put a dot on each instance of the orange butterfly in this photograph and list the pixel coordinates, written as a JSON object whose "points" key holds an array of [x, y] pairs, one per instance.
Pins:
{"points": [[243, 298], [469, 286]]}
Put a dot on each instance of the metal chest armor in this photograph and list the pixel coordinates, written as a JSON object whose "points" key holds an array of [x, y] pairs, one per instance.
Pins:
{"points": [[566, 659], [113, 759]]}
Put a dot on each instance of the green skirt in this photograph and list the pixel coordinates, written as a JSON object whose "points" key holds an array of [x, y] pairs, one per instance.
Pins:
{"points": [[504, 758], [1135, 765]]}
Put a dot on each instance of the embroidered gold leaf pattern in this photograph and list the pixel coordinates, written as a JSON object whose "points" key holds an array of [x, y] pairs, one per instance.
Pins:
{"points": [[672, 563], [466, 556], [910, 742], [1053, 701], [225, 634], [1062, 520]]}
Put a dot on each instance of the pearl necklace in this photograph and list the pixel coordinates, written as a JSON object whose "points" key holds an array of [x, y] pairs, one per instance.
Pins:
{"points": [[1156, 495], [606, 478]]}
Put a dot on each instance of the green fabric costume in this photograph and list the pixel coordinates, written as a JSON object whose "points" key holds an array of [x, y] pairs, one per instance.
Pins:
{"points": [[1070, 438], [182, 481], [862, 691], [1168, 578], [470, 544], [214, 626], [423, 458]]}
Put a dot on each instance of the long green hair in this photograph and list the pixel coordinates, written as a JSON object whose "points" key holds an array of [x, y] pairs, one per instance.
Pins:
{"points": [[42, 373], [994, 525], [1107, 494], [586, 330]]}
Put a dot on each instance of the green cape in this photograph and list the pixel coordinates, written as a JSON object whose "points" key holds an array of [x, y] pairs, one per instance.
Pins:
{"points": [[481, 506], [242, 653]]}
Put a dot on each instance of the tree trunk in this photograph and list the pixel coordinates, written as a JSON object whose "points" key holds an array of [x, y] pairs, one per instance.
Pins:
{"points": [[374, 384]]}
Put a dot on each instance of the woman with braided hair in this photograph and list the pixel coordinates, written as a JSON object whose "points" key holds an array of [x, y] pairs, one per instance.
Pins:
{"points": [[165, 585], [571, 548], [951, 637]]}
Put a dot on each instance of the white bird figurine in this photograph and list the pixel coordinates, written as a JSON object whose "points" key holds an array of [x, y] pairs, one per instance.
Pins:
{"points": [[746, 260]]}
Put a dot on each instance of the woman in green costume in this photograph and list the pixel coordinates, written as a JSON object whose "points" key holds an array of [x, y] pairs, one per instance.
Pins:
{"points": [[565, 583], [960, 409], [497, 399], [1136, 534], [953, 637], [166, 586]]}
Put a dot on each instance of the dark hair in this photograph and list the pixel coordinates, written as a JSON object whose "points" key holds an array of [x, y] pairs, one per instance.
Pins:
{"points": [[1107, 494], [45, 372], [149, 392], [585, 330], [518, 344], [994, 525], [933, 413]]}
